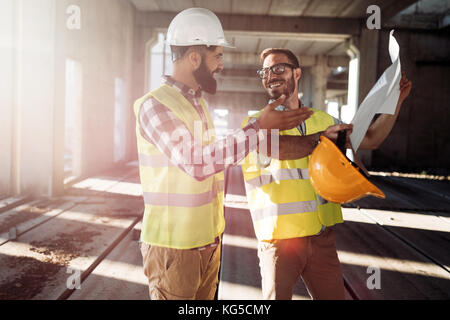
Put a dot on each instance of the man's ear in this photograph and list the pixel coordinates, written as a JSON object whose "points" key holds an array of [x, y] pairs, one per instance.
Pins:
{"points": [[195, 59], [297, 74]]}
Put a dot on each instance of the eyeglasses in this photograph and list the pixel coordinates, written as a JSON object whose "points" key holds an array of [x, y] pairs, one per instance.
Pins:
{"points": [[276, 69]]}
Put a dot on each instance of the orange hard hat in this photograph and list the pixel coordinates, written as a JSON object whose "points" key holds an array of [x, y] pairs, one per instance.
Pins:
{"points": [[335, 178]]}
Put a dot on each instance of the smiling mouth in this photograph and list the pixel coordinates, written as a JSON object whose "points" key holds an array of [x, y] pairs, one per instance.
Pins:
{"points": [[274, 84]]}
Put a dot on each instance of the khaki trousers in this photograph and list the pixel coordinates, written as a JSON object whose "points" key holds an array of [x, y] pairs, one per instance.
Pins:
{"points": [[181, 274], [314, 258]]}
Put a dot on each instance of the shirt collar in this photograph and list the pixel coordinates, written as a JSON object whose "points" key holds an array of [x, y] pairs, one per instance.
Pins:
{"points": [[283, 108], [184, 89]]}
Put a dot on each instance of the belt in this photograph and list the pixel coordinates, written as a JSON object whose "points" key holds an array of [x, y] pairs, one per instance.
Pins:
{"points": [[211, 245]]}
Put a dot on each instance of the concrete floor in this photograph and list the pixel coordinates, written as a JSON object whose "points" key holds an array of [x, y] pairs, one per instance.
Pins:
{"points": [[95, 226]]}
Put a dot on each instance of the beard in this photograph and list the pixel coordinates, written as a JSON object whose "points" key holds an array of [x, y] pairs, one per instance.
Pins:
{"points": [[205, 78], [287, 91]]}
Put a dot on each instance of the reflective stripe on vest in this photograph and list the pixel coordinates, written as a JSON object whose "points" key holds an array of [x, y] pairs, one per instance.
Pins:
{"points": [[178, 199], [282, 201], [180, 211], [284, 208], [275, 176], [182, 200]]}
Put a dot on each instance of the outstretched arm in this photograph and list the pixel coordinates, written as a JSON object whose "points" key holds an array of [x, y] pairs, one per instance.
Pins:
{"points": [[382, 126], [161, 127], [296, 147]]}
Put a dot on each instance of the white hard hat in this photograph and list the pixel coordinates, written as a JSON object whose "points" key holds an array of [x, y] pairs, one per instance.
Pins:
{"points": [[196, 26]]}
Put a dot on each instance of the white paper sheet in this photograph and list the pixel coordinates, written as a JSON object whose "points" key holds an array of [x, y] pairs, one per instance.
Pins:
{"points": [[382, 98]]}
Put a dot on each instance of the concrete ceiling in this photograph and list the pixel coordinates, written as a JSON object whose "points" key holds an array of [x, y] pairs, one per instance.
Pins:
{"points": [[319, 15], [333, 45], [253, 25], [296, 8], [424, 14]]}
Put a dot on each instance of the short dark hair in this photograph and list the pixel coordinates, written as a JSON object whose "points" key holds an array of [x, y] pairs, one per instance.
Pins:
{"points": [[179, 51], [288, 53]]}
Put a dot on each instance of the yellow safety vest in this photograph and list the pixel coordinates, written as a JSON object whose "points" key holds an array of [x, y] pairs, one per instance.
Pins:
{"points": [[282, 201], [180, 211]]}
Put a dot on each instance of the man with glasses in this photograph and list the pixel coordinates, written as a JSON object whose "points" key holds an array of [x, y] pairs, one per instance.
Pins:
{"points": [[292, 222]]}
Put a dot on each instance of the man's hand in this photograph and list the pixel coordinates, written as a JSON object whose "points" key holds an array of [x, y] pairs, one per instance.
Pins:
{"points": [[282, 120], [332, 132], [382, 126], [405, 88]]}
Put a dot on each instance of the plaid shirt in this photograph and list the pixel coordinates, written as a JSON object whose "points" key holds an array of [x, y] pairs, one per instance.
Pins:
{"points": [[158, 122]]}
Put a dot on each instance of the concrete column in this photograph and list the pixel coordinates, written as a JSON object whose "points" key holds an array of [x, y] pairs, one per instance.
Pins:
{"points": [[29, 95], [306, 87], [144, 39], [349, 111], [7, 57], [59, 111], [320, 74], [353, 82], [368, 46]]}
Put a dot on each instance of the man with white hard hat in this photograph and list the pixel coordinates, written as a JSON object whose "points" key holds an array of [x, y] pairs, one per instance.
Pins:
{"points": [[181, 163]]}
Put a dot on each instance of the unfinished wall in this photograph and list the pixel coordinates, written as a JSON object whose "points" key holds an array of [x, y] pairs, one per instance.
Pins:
{"points": [[7, 93], [35, 45], [419, 140], [103, 47], [28, 68]]}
